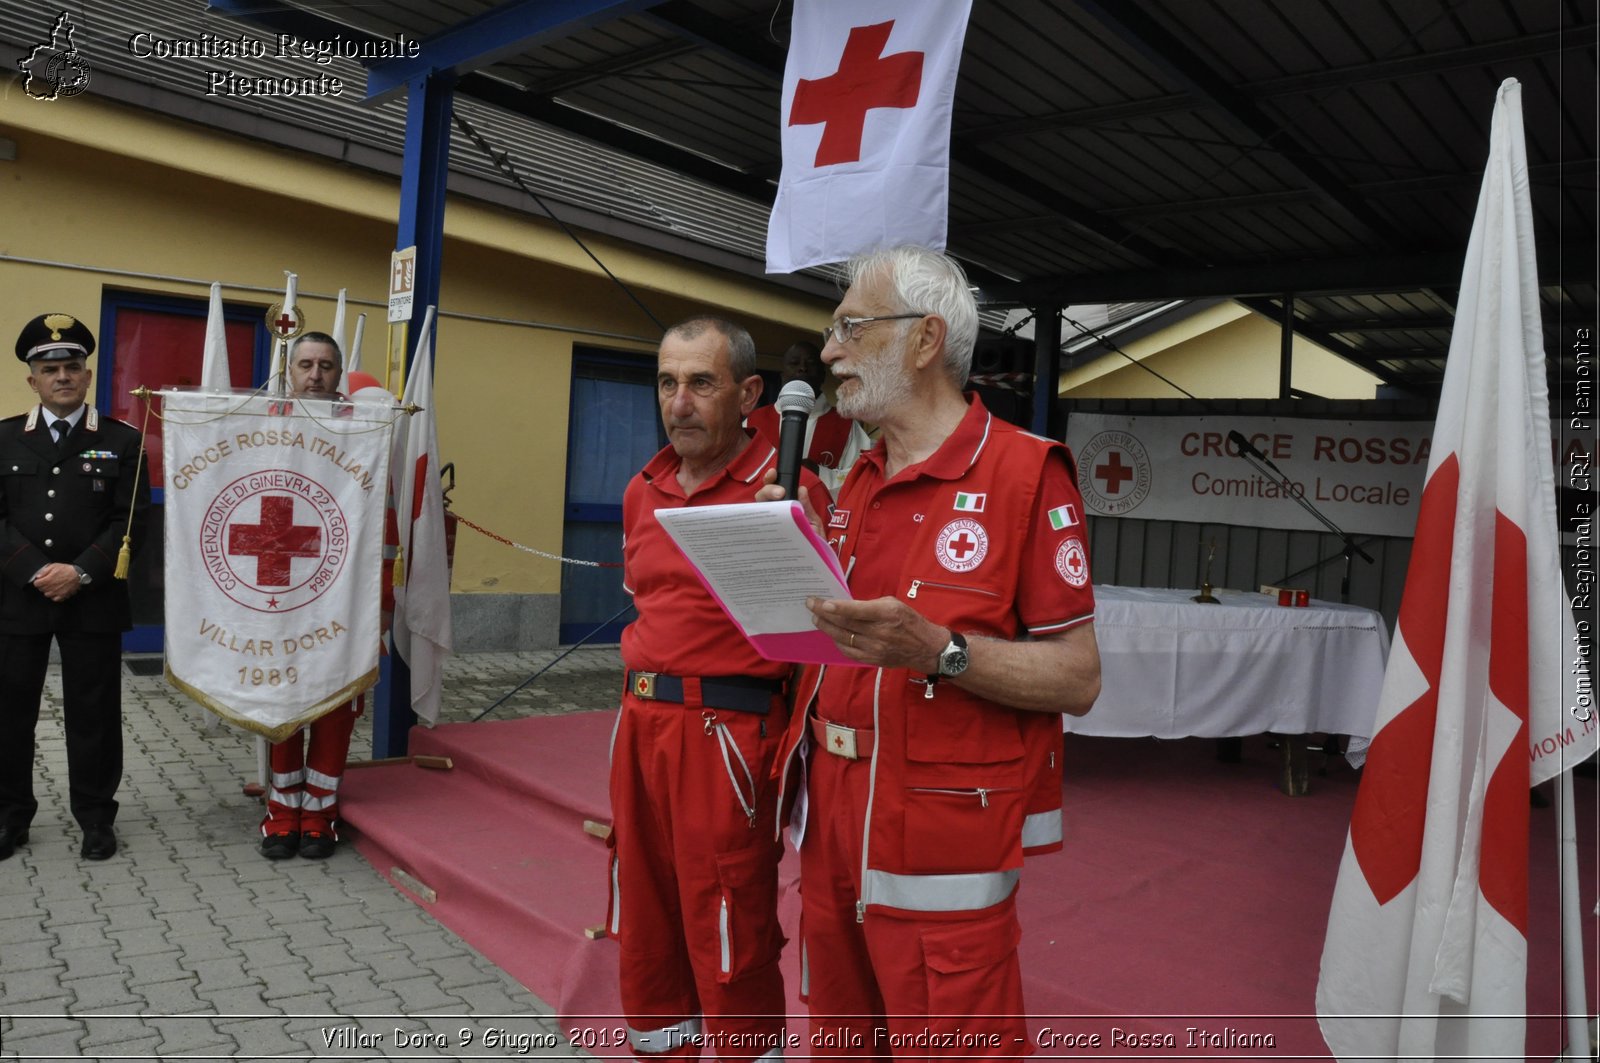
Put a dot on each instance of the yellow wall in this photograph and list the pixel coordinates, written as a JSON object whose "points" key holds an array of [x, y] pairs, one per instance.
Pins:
{"points": [[109, 188], [1225, 351]]}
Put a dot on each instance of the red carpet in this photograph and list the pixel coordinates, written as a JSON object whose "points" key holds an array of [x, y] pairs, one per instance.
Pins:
{"points": [[1191, 893]]}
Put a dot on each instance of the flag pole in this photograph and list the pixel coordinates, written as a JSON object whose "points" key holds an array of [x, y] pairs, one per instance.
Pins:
{"points": [[1572, 966]]}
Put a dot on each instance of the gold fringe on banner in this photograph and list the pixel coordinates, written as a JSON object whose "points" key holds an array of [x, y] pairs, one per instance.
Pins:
{"points": [[283, 730]]}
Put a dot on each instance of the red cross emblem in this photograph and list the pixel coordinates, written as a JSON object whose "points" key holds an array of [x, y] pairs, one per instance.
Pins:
{"points": [[275, 541], [284, 324], [962, 545], [1072, 563], [1113, 473], [866, 79], [258, 526]]}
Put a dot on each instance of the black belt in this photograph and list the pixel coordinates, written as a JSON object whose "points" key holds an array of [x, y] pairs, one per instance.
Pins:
{"points": [[738, 693]]}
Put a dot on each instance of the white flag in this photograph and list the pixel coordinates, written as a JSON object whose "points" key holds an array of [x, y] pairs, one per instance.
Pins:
{"points": [[1426, 952], [422, 605], [338, 326], [214, 373], [868, 91], [274, 533], [352, 361]]}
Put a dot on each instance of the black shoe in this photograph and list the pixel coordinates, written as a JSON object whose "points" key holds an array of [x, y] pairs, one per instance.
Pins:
{"points": [[99, 842], [10, 838], [315, 845], [280, 846]]}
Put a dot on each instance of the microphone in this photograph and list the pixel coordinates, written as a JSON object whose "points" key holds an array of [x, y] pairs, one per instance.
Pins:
{"points": [[794, 407], [1244, 446]]}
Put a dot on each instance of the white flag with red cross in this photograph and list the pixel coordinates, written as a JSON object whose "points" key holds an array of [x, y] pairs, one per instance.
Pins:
{"points": [[421, 628], [1427, 944], [868, 91]]}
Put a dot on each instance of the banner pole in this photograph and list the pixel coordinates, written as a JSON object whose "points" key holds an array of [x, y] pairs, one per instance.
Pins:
{"points": [[1572, 966]]}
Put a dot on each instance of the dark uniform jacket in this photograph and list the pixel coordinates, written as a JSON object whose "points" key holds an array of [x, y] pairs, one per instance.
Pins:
{"points": [[68, 504]]}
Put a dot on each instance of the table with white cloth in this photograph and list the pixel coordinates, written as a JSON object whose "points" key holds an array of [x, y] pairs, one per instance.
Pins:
{"points": [[1172, 667]]}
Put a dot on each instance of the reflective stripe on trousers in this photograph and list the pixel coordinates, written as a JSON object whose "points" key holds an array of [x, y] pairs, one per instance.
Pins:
{"points": [[653, 1042], [938, 893]]}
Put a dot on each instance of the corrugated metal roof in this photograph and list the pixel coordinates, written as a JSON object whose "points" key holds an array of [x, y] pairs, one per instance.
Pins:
{"points": [[1102, 150]]}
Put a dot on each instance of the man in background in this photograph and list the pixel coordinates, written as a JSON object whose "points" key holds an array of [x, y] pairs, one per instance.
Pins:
{"points": [[72, 485], [694, 876], [303, 796], [833, 443]]}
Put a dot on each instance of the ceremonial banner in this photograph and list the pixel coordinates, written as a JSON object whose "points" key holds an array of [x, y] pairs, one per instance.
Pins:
{"points": [[1427, 944], [865, 123], [274, 546]]}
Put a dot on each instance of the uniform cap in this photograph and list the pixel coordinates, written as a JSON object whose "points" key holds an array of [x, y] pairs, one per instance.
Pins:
{"points": [[54, 338]]}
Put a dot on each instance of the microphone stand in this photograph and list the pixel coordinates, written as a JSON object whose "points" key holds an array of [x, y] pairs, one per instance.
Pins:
{"points": [[1264, 465]]}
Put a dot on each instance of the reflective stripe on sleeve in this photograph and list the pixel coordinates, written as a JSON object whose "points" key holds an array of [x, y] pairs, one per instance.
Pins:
{"points": [[1041, 828]]}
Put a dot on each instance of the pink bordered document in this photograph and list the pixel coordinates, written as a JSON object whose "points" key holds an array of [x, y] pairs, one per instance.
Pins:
{"points": [[761, 561]]}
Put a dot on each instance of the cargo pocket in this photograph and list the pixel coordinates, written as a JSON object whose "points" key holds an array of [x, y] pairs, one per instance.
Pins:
{"points": [[748, 937], [962, 830], [972, 970]]}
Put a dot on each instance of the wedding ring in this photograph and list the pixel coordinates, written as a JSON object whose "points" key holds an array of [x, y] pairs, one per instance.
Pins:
{"points": [[852, 640]]}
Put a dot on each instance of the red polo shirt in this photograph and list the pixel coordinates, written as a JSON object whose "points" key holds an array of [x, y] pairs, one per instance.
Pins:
{"points": [[681, 629], [884, 532]]}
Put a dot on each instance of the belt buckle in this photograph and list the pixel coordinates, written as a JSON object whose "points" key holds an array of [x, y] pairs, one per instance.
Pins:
{"points": [[644, 685], [841, 740]]}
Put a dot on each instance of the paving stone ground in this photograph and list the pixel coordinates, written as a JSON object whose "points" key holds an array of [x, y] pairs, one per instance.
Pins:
{"points": [[188, 944]]}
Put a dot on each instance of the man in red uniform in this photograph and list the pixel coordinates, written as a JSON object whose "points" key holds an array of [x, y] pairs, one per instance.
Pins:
{"points": [[694, 872], [934, 768], [833, 443], [303, 800]]}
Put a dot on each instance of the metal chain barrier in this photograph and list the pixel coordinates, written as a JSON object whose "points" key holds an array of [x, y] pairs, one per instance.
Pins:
{"points": [[481, 530]]}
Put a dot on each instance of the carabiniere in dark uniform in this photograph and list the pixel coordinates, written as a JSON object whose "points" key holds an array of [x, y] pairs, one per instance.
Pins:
{"points": [[64, 508]]}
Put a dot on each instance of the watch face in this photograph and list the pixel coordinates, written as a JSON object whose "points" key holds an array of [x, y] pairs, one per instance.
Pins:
{"points": [[953, 661]]}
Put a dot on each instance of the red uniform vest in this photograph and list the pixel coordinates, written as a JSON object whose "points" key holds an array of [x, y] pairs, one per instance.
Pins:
{"points": [[962, 786]]}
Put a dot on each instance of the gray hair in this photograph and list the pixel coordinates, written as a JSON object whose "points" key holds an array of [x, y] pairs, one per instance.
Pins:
{"points": [[741, 348], [317, 337], [924, 281]]}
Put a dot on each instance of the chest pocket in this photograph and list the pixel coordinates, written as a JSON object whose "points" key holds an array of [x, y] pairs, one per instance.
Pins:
{"points": [[100, 472], [19, 467]]}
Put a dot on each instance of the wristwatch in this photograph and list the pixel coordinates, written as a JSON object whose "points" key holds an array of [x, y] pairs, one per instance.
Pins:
{"points": [[83, 577], [953, 659]]}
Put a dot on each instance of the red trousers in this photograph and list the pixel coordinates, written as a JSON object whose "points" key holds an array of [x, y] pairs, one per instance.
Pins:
{"points": [[304, 794], [694, 877], [895, 983]]}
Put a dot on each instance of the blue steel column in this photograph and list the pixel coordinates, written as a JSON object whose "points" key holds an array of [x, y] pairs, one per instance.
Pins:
{"points": [[1046, 370], [422, 193]]}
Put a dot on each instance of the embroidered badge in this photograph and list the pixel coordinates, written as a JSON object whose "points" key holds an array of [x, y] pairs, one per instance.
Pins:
{"points": [[1073, 563], [962, 545], [1063, 517], [970, 503], [841, 519]]}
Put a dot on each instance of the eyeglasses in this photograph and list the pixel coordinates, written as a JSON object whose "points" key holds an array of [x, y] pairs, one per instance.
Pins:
{"points": [[847, 329]]}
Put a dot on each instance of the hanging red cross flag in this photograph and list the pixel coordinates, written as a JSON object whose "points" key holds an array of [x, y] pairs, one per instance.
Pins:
{"points": [[865, 123]]}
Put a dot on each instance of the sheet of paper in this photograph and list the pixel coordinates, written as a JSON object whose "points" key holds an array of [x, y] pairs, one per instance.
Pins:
{"points": [[762, 560]]}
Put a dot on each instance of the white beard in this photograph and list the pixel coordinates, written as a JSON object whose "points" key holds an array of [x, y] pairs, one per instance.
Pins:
{"points": [[880, 385]]}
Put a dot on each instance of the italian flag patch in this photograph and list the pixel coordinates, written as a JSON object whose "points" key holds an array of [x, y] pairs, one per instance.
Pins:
{"points": [[969, 503], [1064, 517]]}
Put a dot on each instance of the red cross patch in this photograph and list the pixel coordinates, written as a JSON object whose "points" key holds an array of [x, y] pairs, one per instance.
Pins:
{"points": [[1072, 562], [962, 545]]}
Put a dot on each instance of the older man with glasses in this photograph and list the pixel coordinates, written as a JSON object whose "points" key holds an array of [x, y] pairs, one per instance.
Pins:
{"points": [[934, 768]]}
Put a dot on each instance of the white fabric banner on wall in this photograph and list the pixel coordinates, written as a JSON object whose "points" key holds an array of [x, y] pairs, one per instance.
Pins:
{"points": [[274, 548], [1365, 476]]}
